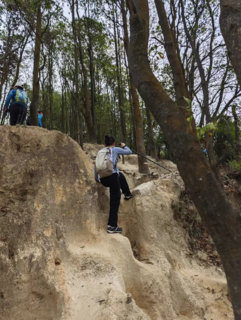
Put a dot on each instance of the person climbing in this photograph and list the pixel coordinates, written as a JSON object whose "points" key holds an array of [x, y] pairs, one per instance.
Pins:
{"points": [[18, 100], [115, 181], [40, 116]]}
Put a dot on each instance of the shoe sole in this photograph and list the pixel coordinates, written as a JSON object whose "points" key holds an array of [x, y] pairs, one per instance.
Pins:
{"points": [[114, 231]]}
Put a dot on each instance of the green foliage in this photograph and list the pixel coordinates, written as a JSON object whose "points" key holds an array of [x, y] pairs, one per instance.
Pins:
{"points": [[189, 102], [209, 129], [224, 139], [235, 164]]}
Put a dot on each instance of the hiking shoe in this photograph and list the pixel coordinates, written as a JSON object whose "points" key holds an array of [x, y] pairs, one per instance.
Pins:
{"points": [[130, 196], [114, 229]]}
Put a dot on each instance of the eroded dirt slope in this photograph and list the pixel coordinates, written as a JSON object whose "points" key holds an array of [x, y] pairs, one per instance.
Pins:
{"points": [[58, 262]]}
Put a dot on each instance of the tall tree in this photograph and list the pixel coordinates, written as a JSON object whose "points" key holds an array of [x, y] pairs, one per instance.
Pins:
{"points": [[237, 130], [87, 113], [221, 220], [118, 75], [150, 140], [76, 70], [90, 30], [142, 163], [36, 87], [230, 21]]}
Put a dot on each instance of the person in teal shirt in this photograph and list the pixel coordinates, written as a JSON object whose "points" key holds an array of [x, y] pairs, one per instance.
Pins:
{"points": [[40, 116]]}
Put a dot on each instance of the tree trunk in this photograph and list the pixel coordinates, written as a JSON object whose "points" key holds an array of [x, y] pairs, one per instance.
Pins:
{"points": [[151, 141], [230, 23], [62, 111], [92, 79], [237, 130], [88, 116], [133, 123], [4, 78], [81, 141], [71, 116], [35, 100], [66, 114], [50, 87], [121, 88], [3, 101], [222, 221], [140, 146], [5, 61], [45, 102], [121, 107], [142, 163], [76, 105]]}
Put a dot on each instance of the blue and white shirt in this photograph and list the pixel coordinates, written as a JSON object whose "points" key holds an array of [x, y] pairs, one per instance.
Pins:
{"points": [[18, 96], [115, 152]]}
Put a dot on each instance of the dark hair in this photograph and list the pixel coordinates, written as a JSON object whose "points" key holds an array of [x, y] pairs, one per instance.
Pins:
{"points": [[40, 111], [109, 140]]}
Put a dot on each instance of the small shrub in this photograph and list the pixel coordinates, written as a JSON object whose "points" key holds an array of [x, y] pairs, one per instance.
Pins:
{"points": [[235, 164]]}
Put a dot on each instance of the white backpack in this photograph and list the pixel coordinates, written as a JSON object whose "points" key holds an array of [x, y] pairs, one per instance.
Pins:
{"points": [[103, 163]]}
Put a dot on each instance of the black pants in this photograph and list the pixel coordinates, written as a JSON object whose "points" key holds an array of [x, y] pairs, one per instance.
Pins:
{"points": [[115, 182], [17, 114]]}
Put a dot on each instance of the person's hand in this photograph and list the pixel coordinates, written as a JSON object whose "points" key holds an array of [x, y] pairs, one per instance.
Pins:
{"points": [[6, 110], [122, 145]]}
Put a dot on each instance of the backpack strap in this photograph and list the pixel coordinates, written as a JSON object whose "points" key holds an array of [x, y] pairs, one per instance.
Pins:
{"points": [[110, 152]]}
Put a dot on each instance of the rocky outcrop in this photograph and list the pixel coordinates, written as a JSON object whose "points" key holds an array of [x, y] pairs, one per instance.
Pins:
{"points": [[58, 262], [46, 199]]}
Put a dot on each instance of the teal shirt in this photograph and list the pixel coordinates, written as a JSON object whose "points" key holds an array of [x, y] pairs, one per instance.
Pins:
{"points": [[40, 120]]}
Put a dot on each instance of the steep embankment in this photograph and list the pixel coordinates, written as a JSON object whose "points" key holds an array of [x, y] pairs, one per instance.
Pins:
{"points": [[58, 262]]}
